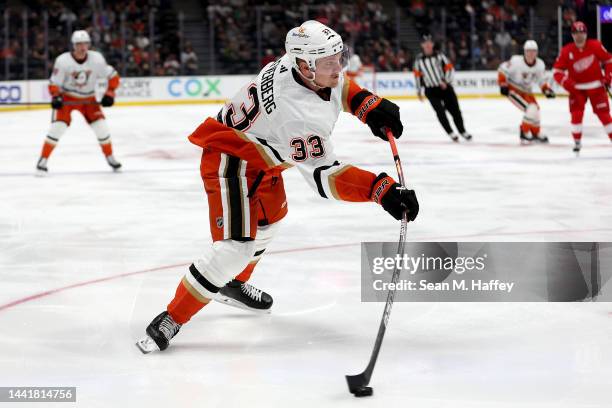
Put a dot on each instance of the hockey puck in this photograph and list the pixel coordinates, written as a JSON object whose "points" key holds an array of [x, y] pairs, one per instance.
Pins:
{"points": [[362, 391]]}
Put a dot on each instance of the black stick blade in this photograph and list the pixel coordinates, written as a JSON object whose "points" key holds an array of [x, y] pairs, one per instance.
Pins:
{"points": [[356, 382], [358, 385]]}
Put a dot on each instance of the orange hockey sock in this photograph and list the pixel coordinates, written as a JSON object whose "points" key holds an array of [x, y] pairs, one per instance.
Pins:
{"points": [[107, 149], [245, 275], [47, 149], [186, 303]]}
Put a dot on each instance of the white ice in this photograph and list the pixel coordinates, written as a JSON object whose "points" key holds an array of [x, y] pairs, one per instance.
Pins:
{"points": [[142, 227]]}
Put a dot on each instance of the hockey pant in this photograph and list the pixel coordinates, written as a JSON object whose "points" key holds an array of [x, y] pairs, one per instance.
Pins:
{"points": [[527, 103], [600, 105], [245, 206]]}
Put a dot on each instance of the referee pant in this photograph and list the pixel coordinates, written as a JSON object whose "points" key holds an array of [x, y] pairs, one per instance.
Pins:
{"points": [[443, 100]]}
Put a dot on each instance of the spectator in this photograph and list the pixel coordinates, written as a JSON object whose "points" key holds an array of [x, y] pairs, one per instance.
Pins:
{"points": [[189, 60], [171, 66], [268, 58]]}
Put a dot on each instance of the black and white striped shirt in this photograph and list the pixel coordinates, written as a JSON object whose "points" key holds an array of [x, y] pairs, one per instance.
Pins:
{"points": [[431, 70]]}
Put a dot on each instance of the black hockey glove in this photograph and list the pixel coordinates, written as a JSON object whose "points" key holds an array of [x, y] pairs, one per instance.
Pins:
{"points": [[107, 101], [504, 90], [57, 102], [378, 113], [549, 93], [394, 198], [385, 115]]}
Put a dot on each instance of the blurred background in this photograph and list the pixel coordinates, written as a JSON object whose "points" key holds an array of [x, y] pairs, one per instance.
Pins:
{"points": [[191, 37]]}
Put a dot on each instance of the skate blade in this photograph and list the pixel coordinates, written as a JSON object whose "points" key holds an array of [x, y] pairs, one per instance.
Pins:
{"points": [[146, 345], [40, 173], [234, 303]]}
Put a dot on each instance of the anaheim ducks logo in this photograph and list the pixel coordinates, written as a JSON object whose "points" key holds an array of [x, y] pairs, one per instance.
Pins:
{"points": [[80, 78], [584, 63], [301, 33]]}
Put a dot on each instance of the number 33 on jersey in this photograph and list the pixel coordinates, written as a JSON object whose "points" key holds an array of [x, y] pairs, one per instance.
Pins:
{"points": [[278, 122]]}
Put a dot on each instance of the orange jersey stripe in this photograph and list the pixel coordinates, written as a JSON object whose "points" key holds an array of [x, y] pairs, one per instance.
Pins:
{"points": [[216, 136], [349, 90], [351, 184]]}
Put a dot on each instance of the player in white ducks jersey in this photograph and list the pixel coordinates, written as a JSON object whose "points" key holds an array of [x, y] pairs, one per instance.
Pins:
{"points": [[72, 87], [516, 78], [283, 118]]}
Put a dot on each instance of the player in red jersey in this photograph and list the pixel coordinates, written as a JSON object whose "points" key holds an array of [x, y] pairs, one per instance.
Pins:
{"points": [[578, 69]]}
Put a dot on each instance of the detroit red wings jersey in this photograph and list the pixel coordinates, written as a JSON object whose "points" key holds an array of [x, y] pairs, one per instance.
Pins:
{"points": [[276, 121], [520, 75], [583, 66], [79, 79]]}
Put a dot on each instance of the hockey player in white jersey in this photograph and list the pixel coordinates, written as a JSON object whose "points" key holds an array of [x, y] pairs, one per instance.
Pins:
{"points": [[72, 87], [283, 118], [516, 78]]}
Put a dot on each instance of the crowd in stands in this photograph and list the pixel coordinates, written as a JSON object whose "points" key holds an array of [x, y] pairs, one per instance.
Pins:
{"points": [[501, 28], [364, 25], [247, 34], [120, 30]]}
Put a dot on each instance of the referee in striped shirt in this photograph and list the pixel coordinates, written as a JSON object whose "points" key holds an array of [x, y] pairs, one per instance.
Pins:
{"points": [[434, 72]]}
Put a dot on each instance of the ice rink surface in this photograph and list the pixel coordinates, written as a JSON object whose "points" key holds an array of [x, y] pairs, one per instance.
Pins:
{"points": [[88, 258]]}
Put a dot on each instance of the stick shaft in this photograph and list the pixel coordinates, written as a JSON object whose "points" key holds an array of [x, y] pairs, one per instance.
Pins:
{"points": [[363, 379]]}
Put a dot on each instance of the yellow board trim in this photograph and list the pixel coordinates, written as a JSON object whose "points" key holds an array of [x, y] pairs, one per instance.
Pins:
{"points": [[10, 108]]}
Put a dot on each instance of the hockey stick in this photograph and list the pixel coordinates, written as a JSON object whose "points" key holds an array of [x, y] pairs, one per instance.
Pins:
{"points": [[358, 383]]}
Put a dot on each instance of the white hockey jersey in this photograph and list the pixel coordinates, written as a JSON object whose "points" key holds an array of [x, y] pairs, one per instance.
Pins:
{"points": [[80, 79], [522, 76], [290, 125]]}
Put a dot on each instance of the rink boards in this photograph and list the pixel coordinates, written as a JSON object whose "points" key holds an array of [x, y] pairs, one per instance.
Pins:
{"points": [[218, 88]]}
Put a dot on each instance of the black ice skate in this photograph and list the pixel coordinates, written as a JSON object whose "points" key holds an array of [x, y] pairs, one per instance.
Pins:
{"points": [[453, 137], [245, 296], [525, 139], [160, 331], [116, 166], [577, 147], [41, 167], [540, 138], [466, 136]]}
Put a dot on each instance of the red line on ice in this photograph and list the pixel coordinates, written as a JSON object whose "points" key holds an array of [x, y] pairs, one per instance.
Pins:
{"points": [[127, 274], [282, 251]]}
